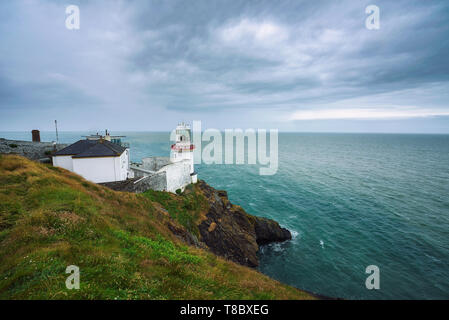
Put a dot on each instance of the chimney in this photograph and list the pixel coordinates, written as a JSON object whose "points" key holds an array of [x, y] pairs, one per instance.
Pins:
{"points": [[36, 135]]}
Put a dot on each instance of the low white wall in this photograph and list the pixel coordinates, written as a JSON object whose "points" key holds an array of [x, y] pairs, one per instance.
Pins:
{"points": [[178, 175]]}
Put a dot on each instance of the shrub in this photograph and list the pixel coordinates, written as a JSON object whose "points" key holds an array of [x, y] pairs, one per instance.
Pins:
{"points": [[178, 191], [13, 145]]}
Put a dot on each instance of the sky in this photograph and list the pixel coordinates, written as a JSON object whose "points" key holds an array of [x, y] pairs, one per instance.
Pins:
{"points": [[288, 65]]}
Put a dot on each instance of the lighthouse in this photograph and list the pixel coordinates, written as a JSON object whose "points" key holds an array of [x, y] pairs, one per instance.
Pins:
{"points": [[183, 148]]}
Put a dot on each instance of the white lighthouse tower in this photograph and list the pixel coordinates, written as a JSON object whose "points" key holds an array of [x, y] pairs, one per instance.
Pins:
{"points": [[183, 148]]}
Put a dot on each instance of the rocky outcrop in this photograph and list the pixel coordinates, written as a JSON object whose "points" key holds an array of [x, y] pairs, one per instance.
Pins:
{"points": [[185, 236], [268, 231], [232, 233]]}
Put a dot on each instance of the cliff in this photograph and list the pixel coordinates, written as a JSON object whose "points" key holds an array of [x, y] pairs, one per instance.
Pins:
{"points": [[127, 245], [211, 221], [231, 232]]}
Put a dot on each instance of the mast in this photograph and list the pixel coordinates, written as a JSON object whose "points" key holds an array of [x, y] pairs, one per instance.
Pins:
{"points": [[56, 127]]}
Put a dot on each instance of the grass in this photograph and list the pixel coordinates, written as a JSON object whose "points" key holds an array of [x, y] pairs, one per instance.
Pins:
{"points": [[187, 208], [51, 218]]}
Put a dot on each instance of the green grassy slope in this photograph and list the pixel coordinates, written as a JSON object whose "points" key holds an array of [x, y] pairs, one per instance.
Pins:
{"points": [[51, 218]]}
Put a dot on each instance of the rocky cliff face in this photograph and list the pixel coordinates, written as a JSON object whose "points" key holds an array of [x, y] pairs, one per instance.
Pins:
{"points": [[230, 232]]}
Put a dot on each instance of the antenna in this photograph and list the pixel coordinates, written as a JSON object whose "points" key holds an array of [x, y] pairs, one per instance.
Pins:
{"points": [[56, 126]]}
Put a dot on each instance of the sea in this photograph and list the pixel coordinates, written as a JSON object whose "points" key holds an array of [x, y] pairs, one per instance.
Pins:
{"points": [[350, 201]]}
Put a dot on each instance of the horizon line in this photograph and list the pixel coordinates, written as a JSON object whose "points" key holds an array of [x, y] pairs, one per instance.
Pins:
{"points": [[280, 131]]}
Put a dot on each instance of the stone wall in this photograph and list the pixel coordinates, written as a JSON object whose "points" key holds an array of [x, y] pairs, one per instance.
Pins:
{"points": [[177, 174], [155, 163], [157, 181], [139, 172], [28, 149]]}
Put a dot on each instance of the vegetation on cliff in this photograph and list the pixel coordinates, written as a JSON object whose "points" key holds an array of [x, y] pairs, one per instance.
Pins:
{"points": [[123, 243]]}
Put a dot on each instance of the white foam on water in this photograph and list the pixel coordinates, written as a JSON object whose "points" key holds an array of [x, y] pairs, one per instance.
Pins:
{"points": [[277, 247], [322, 244], [295, 234]]}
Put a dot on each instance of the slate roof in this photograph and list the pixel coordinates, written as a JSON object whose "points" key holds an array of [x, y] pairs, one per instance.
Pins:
{"points": [[91, 148]]}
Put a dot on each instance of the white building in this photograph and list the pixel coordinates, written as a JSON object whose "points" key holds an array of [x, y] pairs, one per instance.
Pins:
{"points": [[176, 172], [97, 160]]}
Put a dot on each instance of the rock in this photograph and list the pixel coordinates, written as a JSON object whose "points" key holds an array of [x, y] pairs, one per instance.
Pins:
{"points": [[268, 231], [232, 233], [222, 193], [185, 236]]}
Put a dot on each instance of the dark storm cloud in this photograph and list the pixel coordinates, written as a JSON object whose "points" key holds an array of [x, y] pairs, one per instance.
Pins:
{"points": [[147, 64]]}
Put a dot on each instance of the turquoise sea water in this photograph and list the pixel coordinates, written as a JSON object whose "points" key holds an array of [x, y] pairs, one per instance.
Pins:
{"points": [[350, 200]]}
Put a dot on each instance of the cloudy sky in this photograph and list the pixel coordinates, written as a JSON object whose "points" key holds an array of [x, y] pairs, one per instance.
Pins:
{"points": [[292, 65]]}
